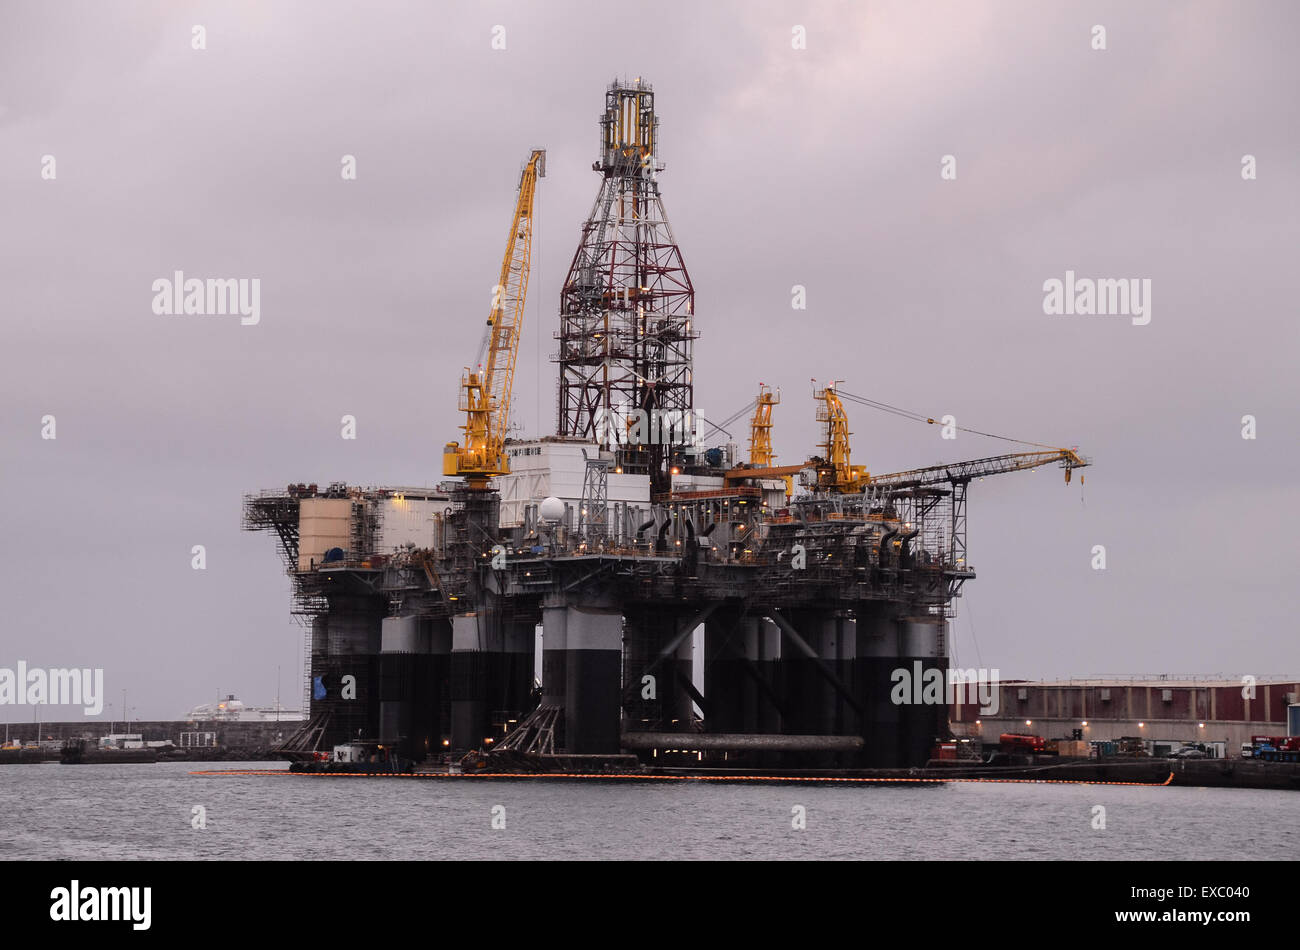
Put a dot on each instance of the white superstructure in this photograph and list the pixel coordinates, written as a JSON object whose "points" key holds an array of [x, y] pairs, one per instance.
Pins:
{"points": [[555, 467]]}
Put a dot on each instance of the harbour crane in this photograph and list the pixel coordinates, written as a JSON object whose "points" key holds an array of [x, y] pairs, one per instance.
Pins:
{"points": [[485, 390]]}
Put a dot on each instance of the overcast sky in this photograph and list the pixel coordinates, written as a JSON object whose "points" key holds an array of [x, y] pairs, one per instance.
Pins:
{"points": [[816, 166]]}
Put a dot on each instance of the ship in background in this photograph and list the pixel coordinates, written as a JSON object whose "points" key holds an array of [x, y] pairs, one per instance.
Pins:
{"points": [[231, 709], [625, 536]]}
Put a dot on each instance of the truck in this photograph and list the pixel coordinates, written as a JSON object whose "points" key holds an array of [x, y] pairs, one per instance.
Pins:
{"points": [[1275, 748], [1014, 742]]}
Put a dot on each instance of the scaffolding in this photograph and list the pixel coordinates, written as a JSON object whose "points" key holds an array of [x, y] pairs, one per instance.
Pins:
{"points": [[593, 511]]}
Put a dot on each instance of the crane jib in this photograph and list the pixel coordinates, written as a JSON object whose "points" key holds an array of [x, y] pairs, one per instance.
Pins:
{"points": [[485, 396]]}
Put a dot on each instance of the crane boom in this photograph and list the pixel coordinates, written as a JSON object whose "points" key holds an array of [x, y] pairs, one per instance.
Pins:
{"points": [[835, 472], [1068, 459], [485, 392]]}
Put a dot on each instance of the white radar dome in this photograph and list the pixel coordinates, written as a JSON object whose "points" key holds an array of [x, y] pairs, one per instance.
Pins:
{"points": [[552, 510]]}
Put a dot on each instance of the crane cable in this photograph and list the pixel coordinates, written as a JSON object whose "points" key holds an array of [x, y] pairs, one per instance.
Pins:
{"points": [[728, 421], [918, 417], [537, 318]]}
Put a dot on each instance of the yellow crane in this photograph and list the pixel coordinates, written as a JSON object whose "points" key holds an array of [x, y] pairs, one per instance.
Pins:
{"points": [[834, 473], [760, 434], [957, 472], [838, 474], [485, 391], [760, 427]]}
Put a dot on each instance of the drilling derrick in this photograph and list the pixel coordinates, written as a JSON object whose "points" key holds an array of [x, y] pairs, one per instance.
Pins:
{"points": [[626, 306]]}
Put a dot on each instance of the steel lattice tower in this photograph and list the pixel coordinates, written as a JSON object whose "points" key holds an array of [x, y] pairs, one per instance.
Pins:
{"points": [[626, 306]]}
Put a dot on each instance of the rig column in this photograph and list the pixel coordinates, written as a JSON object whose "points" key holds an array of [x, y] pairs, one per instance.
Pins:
{"points": [[435, 710], [923, 641], [516, 677], [554, 654], [468, 683], [809, 698], [649, 632], [403, 644], [767, 644], [842, 655], [350, 632], [877, 659], [729, 641], [593, 663]]}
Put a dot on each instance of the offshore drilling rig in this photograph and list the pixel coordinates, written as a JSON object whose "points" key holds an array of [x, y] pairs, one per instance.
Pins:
{"points": [[622, 536]]}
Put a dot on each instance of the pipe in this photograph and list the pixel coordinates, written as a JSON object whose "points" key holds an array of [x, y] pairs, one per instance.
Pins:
{"points": [[739, 741], [884, 545]]}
